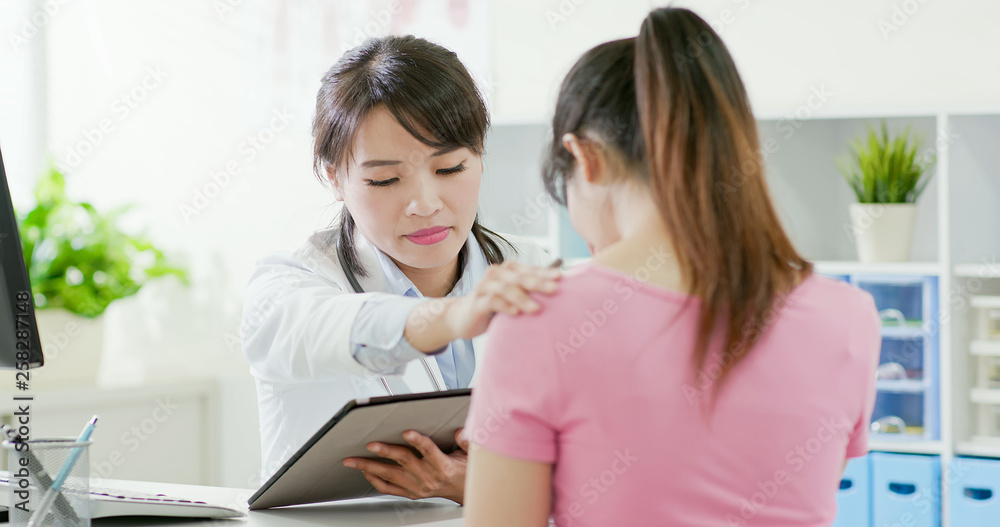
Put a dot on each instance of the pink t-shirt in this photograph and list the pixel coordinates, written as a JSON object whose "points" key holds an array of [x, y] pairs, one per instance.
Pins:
{"points": [[601, 384]]}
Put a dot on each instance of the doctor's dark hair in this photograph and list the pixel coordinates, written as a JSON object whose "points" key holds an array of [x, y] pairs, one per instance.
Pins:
{"points": [[426, 89], [669, 106]]}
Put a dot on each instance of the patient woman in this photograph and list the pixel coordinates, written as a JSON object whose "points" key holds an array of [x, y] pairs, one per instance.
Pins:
{"points": [[695, 372]]}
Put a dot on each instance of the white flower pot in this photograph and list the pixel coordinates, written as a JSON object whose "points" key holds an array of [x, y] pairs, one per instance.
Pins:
{"points": [[71, 345], [883, 232]]}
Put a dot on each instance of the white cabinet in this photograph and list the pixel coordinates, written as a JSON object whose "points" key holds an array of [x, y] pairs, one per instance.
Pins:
{"points": [[164, 433]]}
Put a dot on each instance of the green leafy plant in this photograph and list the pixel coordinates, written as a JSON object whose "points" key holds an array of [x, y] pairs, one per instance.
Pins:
{"points": [[78, 258], [887, 170]]}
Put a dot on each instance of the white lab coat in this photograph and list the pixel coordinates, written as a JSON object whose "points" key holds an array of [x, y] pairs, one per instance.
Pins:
{"points": [[296, 330]]}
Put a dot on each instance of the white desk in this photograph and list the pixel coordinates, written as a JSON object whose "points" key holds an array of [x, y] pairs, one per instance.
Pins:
{"points": [[371, 512]]}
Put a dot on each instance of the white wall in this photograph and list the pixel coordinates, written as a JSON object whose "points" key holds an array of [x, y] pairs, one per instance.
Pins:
{"points": [[872, 55], [22, 95]]}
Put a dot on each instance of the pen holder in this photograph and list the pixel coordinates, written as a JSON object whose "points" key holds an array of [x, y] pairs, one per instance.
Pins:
{"points": [[34, 466]]}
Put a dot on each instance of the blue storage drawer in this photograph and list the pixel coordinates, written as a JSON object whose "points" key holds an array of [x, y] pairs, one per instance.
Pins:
{"points": [[910, 299], [907, 353], [906, 406], [908, 385], [973, 492], [854, 499], [906, 490]]}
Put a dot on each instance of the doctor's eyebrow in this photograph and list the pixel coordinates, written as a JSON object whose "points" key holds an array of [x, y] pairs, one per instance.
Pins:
{"points": [[378, 163], [372, 163]]}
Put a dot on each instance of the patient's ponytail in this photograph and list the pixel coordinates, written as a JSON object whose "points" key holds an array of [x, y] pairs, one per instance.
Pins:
{"points": [[707, 175]]}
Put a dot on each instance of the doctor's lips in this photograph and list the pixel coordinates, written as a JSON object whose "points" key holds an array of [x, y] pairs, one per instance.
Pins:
{"points": [[429, 236]]}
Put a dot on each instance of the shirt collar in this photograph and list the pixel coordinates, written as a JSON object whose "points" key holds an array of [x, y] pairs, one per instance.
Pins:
{"points": [[475, 267]]}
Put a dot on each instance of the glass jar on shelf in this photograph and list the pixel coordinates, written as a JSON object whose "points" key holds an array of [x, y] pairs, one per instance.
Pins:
{"points": [[989, 422], [992, 324], [989, 373], [988, 318]]}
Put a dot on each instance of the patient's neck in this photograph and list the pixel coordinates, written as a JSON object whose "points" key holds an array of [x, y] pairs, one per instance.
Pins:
{"points": [[643, 248]]}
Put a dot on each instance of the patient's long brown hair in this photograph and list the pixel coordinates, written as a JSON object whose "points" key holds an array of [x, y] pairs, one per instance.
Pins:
{"points": [[672, 106]]}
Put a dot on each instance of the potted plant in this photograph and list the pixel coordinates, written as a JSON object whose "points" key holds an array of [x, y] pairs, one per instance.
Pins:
{"points": [[79, 261], [887, 174]]}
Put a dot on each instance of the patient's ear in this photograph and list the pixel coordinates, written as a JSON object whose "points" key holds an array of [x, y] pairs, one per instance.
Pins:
{"points": [[331, 175], [589, 157]]}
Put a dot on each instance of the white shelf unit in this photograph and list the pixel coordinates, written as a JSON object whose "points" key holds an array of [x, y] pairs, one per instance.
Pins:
{"points": [[907, 447], [983, 447], [891, 268], [985, 348], [985, 396], [956, 239], [980, 270]]}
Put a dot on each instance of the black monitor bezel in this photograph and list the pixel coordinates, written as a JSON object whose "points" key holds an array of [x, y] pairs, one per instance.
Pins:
{"points": [[14, 275]]}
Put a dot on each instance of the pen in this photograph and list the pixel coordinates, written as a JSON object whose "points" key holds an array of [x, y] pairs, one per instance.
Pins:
{"points": [[50, 495]]}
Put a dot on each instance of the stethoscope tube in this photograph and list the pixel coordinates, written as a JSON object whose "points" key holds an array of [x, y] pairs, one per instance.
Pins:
{"points": [[352, 279]]}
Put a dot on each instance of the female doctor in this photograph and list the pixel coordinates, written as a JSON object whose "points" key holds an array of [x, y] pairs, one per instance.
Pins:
{"points": [[396, 296]]}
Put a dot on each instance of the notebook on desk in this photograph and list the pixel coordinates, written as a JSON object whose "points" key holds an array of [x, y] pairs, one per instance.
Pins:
{"points": [[110, 502], [315, 473]]}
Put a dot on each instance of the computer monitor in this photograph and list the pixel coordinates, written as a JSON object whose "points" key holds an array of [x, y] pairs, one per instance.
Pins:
{"points": [[20, 347]]}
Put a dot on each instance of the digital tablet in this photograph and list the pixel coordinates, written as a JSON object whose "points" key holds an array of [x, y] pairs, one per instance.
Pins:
{"points": [[316, 472]]}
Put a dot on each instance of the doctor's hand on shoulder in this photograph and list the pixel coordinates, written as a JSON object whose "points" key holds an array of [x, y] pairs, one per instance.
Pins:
{"points": [[422, 470], [503, 289]]}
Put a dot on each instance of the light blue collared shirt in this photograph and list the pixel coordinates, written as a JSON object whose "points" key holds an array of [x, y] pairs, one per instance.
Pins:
{"points": [[377, 340]]}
